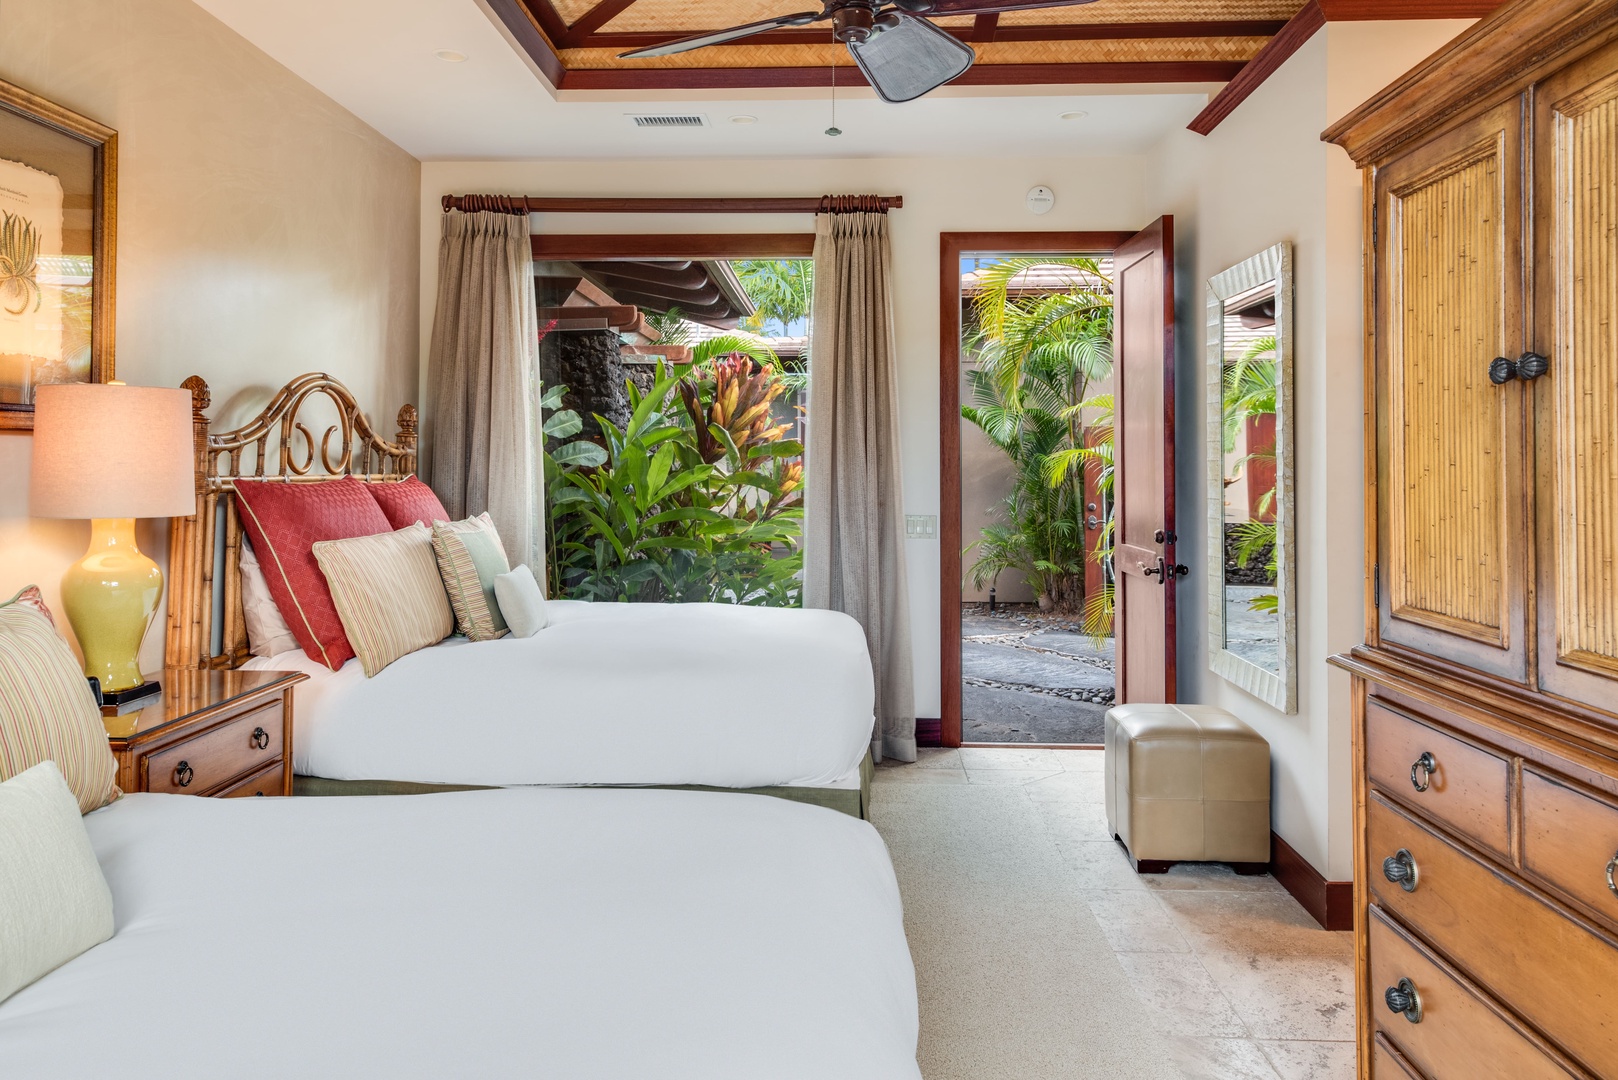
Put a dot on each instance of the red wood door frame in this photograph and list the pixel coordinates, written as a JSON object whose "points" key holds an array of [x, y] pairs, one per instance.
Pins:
{"points": [[952, 246]]}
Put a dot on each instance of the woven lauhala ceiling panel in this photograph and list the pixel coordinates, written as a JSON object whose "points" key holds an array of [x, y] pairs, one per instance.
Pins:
{"points": [[1106, 51]]}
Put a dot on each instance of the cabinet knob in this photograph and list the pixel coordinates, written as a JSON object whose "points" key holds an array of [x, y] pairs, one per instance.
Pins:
{"points": [[1421, 773], [261, 738], [1400, 868], [1612, 875], [1527, 367], [1404, 999], [183, 774]]}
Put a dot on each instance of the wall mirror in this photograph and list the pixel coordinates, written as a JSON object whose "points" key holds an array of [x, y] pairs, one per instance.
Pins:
{"points": [[1252, 601]]}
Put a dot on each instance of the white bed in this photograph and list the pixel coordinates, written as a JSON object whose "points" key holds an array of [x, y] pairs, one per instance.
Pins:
{"points": [[705, 694], [561, 933]]}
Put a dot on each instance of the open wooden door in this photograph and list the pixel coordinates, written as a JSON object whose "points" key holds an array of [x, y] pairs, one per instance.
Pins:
{"points": [[1144, 566]]}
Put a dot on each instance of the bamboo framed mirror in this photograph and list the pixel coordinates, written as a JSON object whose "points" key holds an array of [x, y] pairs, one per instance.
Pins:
{"points": [[1252, 542]]}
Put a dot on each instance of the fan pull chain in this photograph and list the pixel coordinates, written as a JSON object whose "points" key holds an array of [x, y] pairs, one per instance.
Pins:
{"points": [[834, 130]]}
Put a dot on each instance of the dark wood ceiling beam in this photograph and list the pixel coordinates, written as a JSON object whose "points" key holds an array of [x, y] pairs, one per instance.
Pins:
{"points": [[1179, 71], [1303, 26], [593, 20], [530, 35], [984, 26], [641, 39], [545, 16]]}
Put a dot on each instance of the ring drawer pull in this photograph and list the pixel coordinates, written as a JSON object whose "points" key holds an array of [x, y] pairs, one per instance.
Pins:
{"points": [[1404, 999], [1612, 874], [261, 738], [1426, 765], [1400, 868], [183, 774]]}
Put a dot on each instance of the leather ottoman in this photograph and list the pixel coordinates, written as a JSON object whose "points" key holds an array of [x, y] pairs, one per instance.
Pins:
{"points": [[1187, 783]]}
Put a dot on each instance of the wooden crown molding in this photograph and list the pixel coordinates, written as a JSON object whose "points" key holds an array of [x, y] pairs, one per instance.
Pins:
{"points": [[1500, 55], [1303, 26]]}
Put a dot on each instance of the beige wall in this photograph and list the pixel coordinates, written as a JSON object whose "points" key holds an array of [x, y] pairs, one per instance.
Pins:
{"points": [[956, 194], [1262, 177], [263, 231]]}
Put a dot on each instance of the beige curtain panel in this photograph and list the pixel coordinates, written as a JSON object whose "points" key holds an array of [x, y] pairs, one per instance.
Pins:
{"points": [[854, 557], [482, 362]]}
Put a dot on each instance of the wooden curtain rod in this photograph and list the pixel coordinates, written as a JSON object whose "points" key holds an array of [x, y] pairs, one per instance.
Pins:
{"points": [[525, 204]]}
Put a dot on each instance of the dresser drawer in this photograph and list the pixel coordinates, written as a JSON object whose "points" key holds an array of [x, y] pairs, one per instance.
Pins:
{"points": [[199, 765], [271, 781], [1570, 842], [1386, 1064], [1459, 1033], [1555, 972], [1466, 788]]}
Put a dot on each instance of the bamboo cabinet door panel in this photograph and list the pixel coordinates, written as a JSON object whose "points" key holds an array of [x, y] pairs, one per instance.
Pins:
{"points": [[1451, 446], [1576, 401]]}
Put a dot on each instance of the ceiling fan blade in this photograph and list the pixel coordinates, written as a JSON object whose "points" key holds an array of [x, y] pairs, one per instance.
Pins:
{"points": [[719, 37], [979, 7], [908, 56]]}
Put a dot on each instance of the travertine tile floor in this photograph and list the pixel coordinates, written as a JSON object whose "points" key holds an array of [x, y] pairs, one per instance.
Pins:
{"points": [[1241, 983]]}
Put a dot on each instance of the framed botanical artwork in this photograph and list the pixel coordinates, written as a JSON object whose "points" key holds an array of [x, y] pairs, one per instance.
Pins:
{"points": [[58, 212]]}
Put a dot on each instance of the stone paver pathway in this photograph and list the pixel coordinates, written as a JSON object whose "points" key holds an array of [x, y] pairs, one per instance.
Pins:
{"points": [[1030, 677]]}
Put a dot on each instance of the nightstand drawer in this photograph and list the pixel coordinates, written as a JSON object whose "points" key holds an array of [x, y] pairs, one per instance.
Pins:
{"points": [[271, 781], [197, 766]]}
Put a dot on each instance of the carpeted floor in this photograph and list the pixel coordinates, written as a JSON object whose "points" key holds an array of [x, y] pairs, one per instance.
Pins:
{"points": [[1041, 955]]}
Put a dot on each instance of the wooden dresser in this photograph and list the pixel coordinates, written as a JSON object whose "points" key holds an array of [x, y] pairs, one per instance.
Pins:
{"points": [[1486, 695]]}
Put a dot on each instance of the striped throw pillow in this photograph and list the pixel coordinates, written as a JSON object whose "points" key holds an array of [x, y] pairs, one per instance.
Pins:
{"points": [[388, 593], [470, 557], [47, 712]]}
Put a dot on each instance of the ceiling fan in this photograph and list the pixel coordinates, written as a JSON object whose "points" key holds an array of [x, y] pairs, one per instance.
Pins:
{"points": [[901, 53]]}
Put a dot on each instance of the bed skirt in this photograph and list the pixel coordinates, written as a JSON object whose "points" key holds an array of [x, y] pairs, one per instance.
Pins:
{"points": [[855, 802]]}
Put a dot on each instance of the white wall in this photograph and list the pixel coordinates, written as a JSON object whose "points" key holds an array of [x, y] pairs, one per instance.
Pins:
{"points": [[941, 194], [263, 231], [1263, 177]]}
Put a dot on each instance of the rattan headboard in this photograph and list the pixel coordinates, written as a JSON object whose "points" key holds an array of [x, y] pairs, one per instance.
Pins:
{"points": [[205, 549]]}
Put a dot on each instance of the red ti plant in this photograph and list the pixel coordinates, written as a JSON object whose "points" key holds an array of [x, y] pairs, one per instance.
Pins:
{"points": [[742, 394]]}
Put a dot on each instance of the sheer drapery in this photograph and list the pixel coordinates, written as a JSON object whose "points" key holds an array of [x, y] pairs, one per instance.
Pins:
{"points": [[854, 518], [482, 363]]}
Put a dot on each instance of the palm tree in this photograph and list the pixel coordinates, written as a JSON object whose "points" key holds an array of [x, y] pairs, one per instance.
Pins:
{"points": [[782, 290], [1038, 356]]}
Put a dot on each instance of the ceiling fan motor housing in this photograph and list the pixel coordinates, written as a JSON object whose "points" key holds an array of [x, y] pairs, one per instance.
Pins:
{"points": [[853, 23]]}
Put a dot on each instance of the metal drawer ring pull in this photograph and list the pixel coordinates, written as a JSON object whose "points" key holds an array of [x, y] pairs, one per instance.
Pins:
{"points": [[1426, 765], [183, 774], [261, 738], [1404, 999], [1400, 868], [1612, 873]]}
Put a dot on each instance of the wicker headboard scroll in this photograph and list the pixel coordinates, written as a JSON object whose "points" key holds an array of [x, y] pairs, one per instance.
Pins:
{"points": [[205, 549]]}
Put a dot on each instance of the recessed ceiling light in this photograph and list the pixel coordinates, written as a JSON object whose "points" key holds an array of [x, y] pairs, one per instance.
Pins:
{"points": [[450, 56], [743, 118], [1077, 114]]}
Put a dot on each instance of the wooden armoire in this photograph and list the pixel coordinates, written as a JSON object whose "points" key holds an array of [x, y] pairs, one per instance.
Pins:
{"points": [[1486, 695]]}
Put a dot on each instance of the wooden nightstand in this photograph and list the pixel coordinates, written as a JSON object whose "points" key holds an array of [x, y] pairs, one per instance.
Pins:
{"points": [[219, 733]]}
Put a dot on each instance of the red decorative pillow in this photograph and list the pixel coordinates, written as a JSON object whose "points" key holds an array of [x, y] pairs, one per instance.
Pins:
{"points": [[31, 597], [408, 502], [284, 522]]}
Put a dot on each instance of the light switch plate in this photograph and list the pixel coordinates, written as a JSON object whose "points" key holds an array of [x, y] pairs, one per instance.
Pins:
{"points": [[921, 526]]}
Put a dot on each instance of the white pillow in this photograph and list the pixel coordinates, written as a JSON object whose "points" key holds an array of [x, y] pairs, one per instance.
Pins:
{"points": [[54, 901], [521, 602], [267, 632]]}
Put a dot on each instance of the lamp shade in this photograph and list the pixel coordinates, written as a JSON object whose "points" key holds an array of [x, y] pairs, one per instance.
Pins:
{"points": [[112, 451]]}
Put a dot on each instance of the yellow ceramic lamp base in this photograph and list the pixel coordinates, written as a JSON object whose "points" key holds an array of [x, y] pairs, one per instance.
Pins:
{"points": [[111, 596]]}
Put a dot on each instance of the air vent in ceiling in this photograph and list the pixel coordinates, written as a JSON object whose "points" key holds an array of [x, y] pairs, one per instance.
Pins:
{"points": [[668, 120]]}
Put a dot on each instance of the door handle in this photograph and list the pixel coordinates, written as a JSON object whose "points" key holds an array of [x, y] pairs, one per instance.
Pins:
{"points": [[1164, 572], [1092, 522]]}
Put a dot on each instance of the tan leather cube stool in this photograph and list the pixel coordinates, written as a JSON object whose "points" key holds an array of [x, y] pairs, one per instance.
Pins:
{"points": [[1187, 783]]}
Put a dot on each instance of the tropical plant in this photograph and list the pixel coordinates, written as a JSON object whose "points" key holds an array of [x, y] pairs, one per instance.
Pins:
{"points": [[1249, 390], [672, 326], [19, 262], [1038, 355], [657, 520]]}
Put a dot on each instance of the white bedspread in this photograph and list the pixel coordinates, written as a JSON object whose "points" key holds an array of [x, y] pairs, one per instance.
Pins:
{"points": [[565, 934], [607, 694]]}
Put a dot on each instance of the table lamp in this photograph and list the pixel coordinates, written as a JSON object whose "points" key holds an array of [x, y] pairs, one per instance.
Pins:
{"points": [[112, 453]]}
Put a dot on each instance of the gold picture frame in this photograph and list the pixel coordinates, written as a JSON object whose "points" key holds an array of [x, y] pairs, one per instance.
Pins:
{"points": [[58, 249]]}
